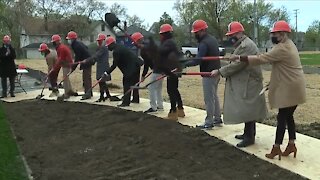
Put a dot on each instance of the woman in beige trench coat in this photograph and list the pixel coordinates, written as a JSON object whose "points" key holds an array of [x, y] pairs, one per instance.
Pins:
{"points": [[287, 87]]}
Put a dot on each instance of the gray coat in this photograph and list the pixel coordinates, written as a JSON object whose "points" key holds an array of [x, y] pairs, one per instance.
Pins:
{"points": [[102, 58], [242, 102]]}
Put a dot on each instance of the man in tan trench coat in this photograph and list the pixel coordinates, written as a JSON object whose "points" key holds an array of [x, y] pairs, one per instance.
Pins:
{"points": [[242, 102], [287, 87]]}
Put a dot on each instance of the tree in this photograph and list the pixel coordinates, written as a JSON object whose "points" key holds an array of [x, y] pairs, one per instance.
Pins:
{"points": [[219, 13], [312, 36], [135, 20], [11, 17]]}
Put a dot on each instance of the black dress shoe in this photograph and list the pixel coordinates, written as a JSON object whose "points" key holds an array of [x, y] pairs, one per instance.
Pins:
{"points": [[101, 99], [123, 105], [245, 143], [85, 97], [135, 101], [239, 136]]}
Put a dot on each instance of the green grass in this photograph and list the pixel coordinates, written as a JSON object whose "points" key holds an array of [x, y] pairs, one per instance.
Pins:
{"points": [[310, 59], [11, 165]]}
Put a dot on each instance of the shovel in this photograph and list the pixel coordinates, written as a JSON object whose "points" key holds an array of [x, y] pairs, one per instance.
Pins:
{"points": [[195, 73], [146, 86], [45, 84], [112, 98], [136, 85], [112, 21], [206, 58]]}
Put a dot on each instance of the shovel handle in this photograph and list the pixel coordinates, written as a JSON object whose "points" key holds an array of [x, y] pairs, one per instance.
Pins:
{"points": [[206, 58], [196, 73]]}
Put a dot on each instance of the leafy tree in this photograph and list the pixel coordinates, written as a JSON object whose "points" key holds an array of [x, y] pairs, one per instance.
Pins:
{"points": [[312, 36], [135, 20], [219, 13]]}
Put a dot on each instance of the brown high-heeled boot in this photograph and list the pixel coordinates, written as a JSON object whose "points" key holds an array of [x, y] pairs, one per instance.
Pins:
{"points": [[291, 148], [274, 152]]}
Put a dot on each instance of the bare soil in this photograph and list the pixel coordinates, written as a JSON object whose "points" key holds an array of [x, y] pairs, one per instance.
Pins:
{"points": [[307, 116], [75, 141]]}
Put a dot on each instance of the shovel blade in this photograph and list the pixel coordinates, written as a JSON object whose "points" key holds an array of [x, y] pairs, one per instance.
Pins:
{"points": [[111, 19], [39, 96]]}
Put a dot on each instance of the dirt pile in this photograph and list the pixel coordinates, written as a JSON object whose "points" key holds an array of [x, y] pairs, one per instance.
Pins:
{"points": [[90, 142]]}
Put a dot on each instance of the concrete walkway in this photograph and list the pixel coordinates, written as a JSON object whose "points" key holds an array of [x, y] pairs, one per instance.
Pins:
{"points": [[308, 155]]}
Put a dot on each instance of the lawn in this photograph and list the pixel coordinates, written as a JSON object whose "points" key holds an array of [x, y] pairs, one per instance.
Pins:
{"points": [[11, 165], [310, 59]]}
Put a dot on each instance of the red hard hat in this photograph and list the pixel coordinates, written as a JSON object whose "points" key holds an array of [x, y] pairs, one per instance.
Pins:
{"points": [[101, 37], [72, 35], [165, 28], [136, 37], [199, 25], [110, 40], [234, 27], [55, 38], [6, 39], [281, 26], [43, 47], [22, 66]]}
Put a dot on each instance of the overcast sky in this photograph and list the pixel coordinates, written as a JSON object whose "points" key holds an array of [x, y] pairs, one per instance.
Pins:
{"points": [[151, 10]]}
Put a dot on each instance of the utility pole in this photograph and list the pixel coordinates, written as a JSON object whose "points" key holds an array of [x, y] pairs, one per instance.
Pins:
{"points": [[296, 16], [255, 25]]}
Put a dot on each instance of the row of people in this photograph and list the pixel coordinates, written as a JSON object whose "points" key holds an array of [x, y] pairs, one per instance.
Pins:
{"points": [[243, 102]]}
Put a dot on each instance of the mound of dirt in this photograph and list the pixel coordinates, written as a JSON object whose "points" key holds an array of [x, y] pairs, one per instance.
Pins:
{"points": [[75, 141]]}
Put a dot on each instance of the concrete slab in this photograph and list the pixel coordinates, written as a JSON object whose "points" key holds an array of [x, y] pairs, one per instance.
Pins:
{"points": [[308, 156]]}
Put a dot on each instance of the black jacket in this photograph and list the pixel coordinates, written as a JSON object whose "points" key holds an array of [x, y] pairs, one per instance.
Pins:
{"points": [[125, 60], [81, 52], [169, 57], [150, 54], [212, 50], [7, 65]]}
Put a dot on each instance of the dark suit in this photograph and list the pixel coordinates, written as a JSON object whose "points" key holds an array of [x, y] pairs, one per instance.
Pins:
{"points": [[129, 64]]}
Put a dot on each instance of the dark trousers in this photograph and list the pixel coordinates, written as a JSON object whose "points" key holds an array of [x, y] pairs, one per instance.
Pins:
{"points": [[173, 92], [127, 83], [285, 118], [249, 130], [86, 79], [5, 87], [104, 89]]}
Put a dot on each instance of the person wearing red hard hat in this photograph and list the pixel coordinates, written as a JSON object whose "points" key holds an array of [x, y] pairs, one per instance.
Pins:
{"points": [[208, 46], [149, 53], [169, 60], [65, 61], [51, 59], [102, 58], [242, 105], [129, 64], [287, 88], [81, 52], [7, 66]]}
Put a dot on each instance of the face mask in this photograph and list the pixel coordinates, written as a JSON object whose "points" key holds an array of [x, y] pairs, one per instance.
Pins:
{"points": [[274, 40], [69, 41], [233, 40], [197, 36]]}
